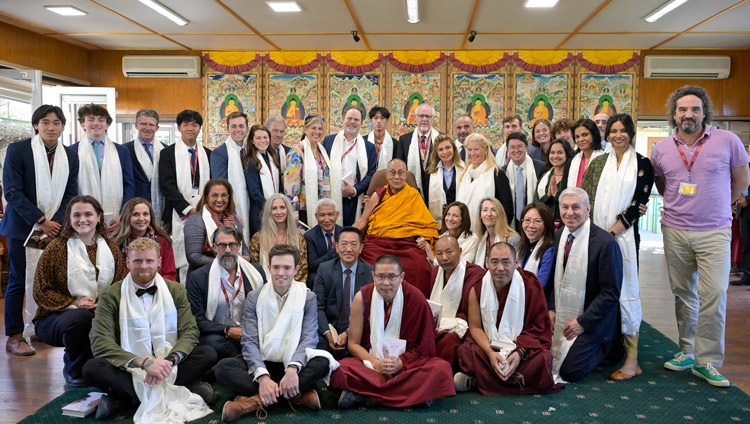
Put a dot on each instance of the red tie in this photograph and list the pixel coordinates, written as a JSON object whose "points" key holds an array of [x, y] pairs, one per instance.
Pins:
{"points": [[423, 145], [568, 245]]}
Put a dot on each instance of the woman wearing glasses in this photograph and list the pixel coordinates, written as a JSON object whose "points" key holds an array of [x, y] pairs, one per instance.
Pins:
{"points": [[536, 250], [215, 208]]}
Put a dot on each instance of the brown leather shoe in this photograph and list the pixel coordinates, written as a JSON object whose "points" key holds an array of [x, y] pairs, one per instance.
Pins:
{"points": [[308, 399], [19, 346], [241, 406]]}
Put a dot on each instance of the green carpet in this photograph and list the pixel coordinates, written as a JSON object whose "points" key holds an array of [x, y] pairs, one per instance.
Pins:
{"points": [[658, 396]]}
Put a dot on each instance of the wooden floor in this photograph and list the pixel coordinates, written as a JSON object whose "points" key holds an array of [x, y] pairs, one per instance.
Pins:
{"points": [[28, 383]]}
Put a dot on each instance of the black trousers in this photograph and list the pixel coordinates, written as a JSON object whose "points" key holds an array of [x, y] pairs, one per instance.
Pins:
{"points": [[118, 383], [70, 329], [232, 372], [224, 347], [745, 238]]}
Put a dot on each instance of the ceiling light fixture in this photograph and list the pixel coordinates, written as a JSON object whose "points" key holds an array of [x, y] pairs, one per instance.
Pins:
{"points": [[284, 6], [539, 3], [166, 12], [355, 36], [663, 10], [66, 10], [412, 11], [472, 36]]}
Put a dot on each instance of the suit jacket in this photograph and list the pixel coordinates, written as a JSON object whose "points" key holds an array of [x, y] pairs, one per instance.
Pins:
{"points": [[450, 191], [539, 169], [142, 184], [105, 328], [317, 250], [126, 164], [173, 199], [329, 287], [219, 163], [349, 206], [535, 153], [257, 198], [19, 182], [402, 151], [601, 306], [197, 292], [251, 342]]}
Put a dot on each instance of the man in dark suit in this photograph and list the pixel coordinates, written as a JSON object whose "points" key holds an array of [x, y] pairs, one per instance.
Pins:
{"points": [[321, 239], [277, 126], [145, 159], [33, 204], [414, 147], [350, 177], [589, 270], [523, 172], [215, 295], [337, 282]]}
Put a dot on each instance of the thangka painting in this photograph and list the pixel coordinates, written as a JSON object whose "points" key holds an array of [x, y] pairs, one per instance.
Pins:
{"points": [[542, 96], [408, 92], [482, 98], [608, 94], [360, 91], [225, 94], [292, 97]]}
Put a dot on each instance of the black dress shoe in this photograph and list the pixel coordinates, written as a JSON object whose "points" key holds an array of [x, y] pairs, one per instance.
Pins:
{"points": [[205, 391], [74, 382], [744, 281], [108, 406]]}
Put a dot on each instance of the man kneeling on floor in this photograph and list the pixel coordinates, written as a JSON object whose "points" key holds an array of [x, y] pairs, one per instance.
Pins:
{"points": [[392, 339], [279, 336], [144, 340], [508, 352]]}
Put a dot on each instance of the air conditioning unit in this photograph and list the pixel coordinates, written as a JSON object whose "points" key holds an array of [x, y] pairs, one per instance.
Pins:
{"points": [[687, 67], [161, 66]]}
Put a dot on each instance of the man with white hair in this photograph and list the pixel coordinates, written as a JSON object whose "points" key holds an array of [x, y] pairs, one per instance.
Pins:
{"points": [[277, 126], [414, 147], [321, 239]]}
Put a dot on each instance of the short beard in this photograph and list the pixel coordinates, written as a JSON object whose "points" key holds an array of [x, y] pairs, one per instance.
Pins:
{"points": [[689, 126], [228, 261]]}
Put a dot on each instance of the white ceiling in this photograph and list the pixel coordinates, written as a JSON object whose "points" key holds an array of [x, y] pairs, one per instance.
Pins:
{"points": [[444, 25]]}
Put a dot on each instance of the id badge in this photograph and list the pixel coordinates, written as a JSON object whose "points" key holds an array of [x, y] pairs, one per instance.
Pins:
{"points": [[196, 194], [688, 189]]}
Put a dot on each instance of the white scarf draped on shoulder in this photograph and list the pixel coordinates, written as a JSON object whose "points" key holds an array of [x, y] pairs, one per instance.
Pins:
{"points": [[153, 334], [386, 149], [575, 164], [413, 157], [437, 194], [503, 334], [310, 170], [448, 294], [378, 329], [152, 173], [541, 187], [106, 186], [337, 152], [476, 184], [501, 155], [269, 175], [82, 278], [236, 177], [530, 175], [613, 196], [214, 285]]}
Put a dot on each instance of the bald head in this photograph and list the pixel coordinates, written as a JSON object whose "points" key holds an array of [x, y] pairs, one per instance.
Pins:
{"points": [[448, 254], [396, 174]]}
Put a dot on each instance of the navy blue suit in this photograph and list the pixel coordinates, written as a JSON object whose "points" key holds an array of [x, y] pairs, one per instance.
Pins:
{"points": [[317, 250], [21, 213], [350, 206], [601, 306], [220, 163], [126, 164], [142, 184], [255, 192]]}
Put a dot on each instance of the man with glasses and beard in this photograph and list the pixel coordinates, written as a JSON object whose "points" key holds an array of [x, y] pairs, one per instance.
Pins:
{"points": [[217, 293]]}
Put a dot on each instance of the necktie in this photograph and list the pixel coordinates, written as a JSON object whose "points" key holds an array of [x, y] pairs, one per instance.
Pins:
{"points": [[520, 192], [329, 241], [568, 245], [151, 290], [95, 145], [149, 147], [193, 165], [346, 300], [423, 146]]}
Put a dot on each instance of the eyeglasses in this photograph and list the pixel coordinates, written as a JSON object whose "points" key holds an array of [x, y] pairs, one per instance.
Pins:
{"points": [[231, 246], [346, 245], [424, 116], [532, 221], [399, 173], [219, 195], [389, 277]]}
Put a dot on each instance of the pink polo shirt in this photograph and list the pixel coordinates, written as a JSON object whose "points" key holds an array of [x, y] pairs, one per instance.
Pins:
{"points": [[710, 208]]}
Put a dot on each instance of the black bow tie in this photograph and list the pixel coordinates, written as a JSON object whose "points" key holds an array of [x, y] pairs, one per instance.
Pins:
{"points": [[151, 290]]}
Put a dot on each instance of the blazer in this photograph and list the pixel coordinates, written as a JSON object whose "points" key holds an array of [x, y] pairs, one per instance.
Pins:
{"points": [[220, 163], [539, 169], [197, 293], [450, 191], [251, 342], [173, 199], [329, 287], [535, 153], [126, 164], [257, 198], [402, 151], [142, 184], [19, 182], [317, 250], [601, 306], [105, 328]]}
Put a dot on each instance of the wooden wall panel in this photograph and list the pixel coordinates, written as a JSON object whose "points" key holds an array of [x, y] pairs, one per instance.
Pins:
{"points": [[167, 96], [730, 97], [35, 51]]}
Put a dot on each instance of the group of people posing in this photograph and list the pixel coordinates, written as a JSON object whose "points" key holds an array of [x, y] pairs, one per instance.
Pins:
{"points": [[99, 233]]}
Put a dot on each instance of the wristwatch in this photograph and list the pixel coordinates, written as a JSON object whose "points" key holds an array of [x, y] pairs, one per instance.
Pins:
{"points": [[172, 359]]}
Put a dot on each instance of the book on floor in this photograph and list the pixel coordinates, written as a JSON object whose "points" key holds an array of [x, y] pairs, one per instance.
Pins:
{"points": [[80, 408]]}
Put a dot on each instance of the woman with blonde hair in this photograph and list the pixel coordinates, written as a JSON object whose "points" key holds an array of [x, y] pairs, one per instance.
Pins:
{"points": [[278, 226], [441, 177], [481, 178], [492, 227]]}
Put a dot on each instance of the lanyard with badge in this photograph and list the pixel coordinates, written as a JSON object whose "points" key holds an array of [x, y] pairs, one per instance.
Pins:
{"points": [[688, 188], [237, 288]]}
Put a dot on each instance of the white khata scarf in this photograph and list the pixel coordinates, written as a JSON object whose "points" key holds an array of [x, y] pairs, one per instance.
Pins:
{"points": [[378, 330], [311, 177], [448, 293], [437, 194], [501, 155], [153, 334], [337, 152], [82, 279], [413, 157], [386, 149], [575, 164], [541, 188], [503, 334], [236, 177], [532, 265], [476, 184], [105, 186], [282, 156], [214, 285], [152, 173], [613, 196], [269, 176], [570, 292]]}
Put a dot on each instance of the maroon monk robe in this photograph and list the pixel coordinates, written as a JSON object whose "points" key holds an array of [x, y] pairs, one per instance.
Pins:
{"points": [[416, 267], [536, 338], [447, 343], [424, 377]]}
